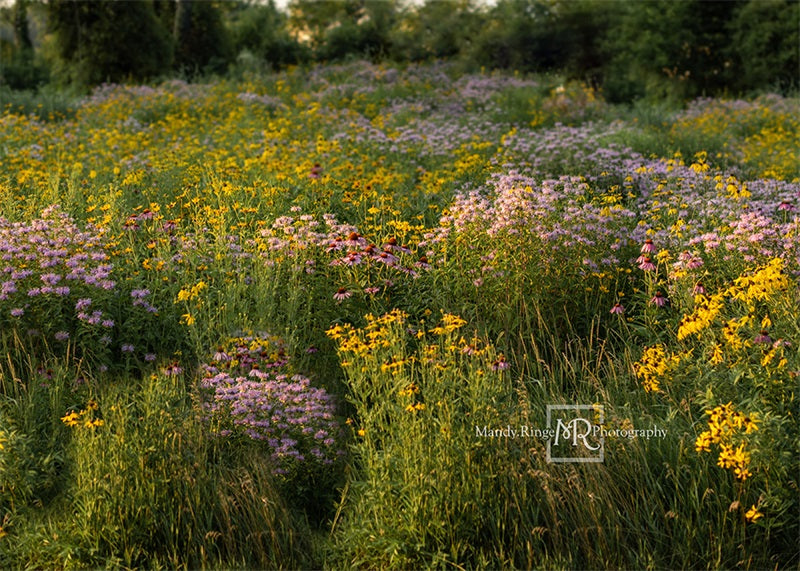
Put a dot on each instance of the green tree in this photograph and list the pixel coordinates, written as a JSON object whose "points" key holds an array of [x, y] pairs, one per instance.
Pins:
{"points": [[338, 29], [525, 35], [437, 29], [97, 41], [675, 49], [765, 35], [202, 41], [262, 30], [20, 67], [22, 37]]}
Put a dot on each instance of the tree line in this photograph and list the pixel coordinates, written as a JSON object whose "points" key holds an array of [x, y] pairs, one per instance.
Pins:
{"points": [[633, 49]]}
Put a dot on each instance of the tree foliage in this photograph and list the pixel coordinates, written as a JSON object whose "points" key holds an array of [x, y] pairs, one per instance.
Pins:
{"points": [[98, 41], [261, 30], [676, 49]]}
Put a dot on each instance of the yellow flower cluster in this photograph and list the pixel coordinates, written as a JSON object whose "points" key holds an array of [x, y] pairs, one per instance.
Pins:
{"points": [[653, 367], [731, 187], [376, 334], [449, 324], [771, 146], [725, 423], [762, 284], [756, 286], [192, 292], [773, 151], [705, 311], [86, 418]]}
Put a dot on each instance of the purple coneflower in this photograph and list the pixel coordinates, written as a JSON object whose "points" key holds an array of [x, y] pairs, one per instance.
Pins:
{"points": [[342, 294], [173, 370], [646, 264], [221, 356], [617, 309], [698, 289], [500, 364], [658, 300], [762, 337], [648, 247]]}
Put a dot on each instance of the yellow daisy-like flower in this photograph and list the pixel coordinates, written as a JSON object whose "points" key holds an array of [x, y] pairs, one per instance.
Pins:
{"points": [[753, 514], [70, 419]]}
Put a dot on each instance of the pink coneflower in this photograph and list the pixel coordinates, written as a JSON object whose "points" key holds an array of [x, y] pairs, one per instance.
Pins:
{"points": [[221, 356], [342, 294], [646, 264], [694, 263], [617, 309], [762, 337], [387, 258], [648, 247], [371, 290], [173, 370], [786, 205], [658, 300], [500, 364], [698, 289]]}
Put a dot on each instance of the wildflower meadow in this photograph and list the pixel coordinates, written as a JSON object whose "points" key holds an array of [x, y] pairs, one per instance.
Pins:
{"points": [[345, 315]]}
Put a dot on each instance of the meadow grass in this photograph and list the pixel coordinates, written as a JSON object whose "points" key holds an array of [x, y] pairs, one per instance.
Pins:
{"points": [[267, 323]]}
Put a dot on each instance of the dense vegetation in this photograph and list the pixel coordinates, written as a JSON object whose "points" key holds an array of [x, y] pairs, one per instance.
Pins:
{"points": [[679, 49], [262, 323], [303, 289]]}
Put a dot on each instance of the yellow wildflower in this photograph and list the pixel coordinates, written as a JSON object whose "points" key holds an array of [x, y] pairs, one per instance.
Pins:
{"points": [[753, 514], [70, 419]]}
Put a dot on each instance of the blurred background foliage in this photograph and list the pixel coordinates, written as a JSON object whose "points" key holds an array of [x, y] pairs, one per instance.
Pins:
{"points": [[633, 50]]}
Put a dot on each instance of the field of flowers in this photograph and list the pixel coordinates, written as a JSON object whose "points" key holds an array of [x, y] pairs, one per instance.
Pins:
{"points": [[264, 323]]}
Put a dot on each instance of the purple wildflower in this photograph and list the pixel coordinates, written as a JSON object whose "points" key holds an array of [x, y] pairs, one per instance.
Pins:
{"points": [[342, 294], [762, 337], [646, 264]]}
